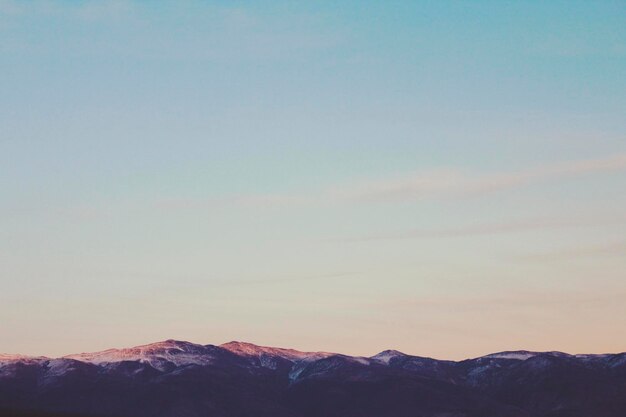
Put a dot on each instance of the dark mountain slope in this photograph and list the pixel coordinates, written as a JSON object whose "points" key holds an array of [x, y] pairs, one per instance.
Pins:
{"points": [[182, 379]]}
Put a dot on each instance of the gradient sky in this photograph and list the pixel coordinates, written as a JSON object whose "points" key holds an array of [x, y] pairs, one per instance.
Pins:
{"points": [[443, 178]]}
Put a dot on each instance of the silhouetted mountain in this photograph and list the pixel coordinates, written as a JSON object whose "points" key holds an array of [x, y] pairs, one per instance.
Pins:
{"points": [[182, 379]]}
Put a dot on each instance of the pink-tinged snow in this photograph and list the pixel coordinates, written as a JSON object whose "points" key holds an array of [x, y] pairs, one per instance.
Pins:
{"points": [[162, 355], [7, 358], [155, 354], [252, 350]]}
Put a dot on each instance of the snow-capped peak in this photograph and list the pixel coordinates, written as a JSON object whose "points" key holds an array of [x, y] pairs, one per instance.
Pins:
{"points": [[252, 350], [522, 355], [176, 352], [387, 355]]}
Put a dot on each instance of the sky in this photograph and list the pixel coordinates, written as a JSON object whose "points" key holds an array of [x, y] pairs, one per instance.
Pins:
{"points": [[443, 178]]}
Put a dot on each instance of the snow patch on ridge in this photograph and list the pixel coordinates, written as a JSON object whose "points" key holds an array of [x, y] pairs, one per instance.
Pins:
{"points": [[523, 355], [520, 355], [7, 358], [387, 355], [156, 354], [252, 350]]}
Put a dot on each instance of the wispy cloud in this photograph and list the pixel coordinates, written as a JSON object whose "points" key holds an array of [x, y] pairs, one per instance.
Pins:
{"points": [[519, 226], [438, 184], [455, 183], [581, 252], [514, 300], [434, 185]]}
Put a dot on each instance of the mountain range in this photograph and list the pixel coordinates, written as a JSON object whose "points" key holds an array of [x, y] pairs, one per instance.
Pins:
{"points": [[181, 379]]}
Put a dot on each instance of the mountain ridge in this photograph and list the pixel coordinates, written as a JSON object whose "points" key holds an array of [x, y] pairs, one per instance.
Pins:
{"points": [[249, 349], [175, 378]]}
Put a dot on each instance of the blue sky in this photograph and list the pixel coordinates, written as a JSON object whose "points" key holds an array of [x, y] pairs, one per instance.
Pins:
{"points": [[444, 178]]}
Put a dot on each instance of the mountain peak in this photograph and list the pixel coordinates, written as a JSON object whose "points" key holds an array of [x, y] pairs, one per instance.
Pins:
{"points": [[174, 351], [237, 345], [387, 355], [522, 355], [512, 354]]}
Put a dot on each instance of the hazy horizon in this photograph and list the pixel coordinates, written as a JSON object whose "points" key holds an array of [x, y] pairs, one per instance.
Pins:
{"points": [[446, 179]]}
